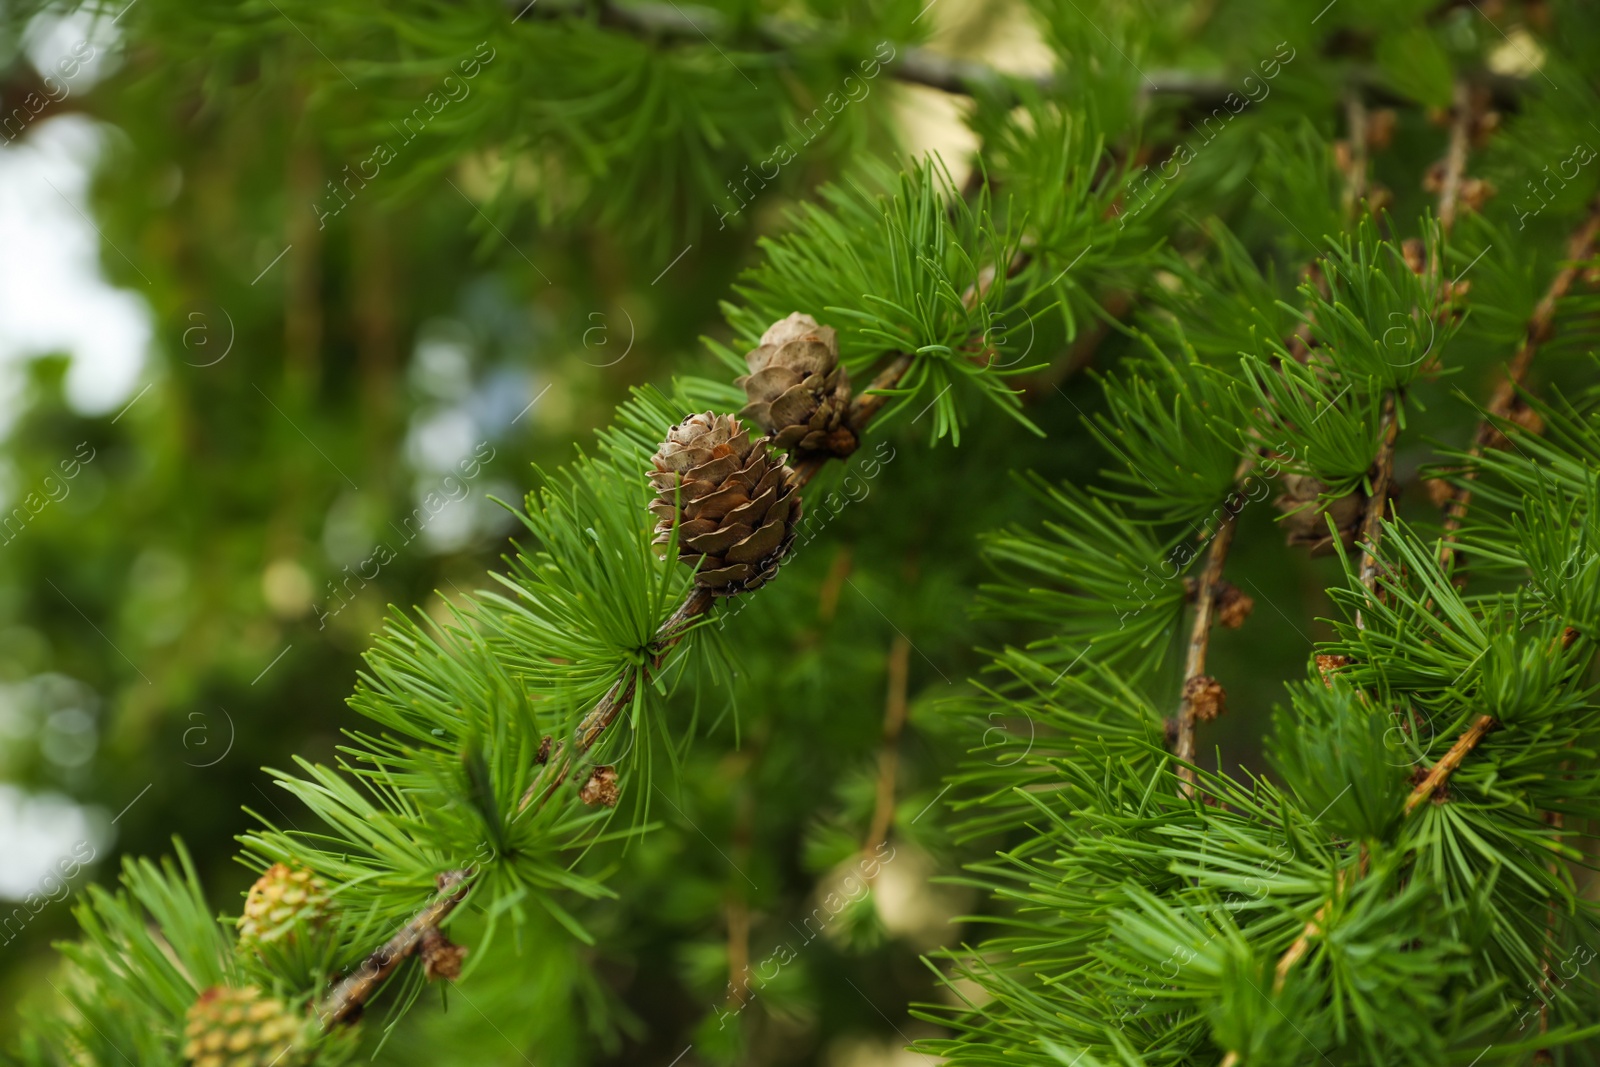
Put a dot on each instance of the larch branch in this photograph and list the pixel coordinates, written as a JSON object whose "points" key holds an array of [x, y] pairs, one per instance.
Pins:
{"points": [[1502, 406], [344, 1001], [1455, 159], [894, 720], [1441, 771], [355, 989], [1382, 478], [1194, 669]]}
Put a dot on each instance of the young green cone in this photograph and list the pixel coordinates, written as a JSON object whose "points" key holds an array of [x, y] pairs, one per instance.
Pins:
{"points": [[242, 1028], [281, 899]]}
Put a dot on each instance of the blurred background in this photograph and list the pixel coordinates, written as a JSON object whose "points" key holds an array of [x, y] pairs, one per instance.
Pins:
{"points": [[260, 380]]}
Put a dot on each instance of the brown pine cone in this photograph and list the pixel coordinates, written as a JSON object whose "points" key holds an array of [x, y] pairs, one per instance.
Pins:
{"points": [[601, 788], [1206, 697], [1307, 522], [799, 394], [733, 500]]}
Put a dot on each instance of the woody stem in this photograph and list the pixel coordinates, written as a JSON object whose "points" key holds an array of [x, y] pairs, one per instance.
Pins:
{"points": [[1503, 404], [1200, 641]]}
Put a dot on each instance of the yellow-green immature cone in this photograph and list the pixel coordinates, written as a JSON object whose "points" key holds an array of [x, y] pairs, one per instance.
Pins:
{"points": [[243, 1028], [282, 898]]}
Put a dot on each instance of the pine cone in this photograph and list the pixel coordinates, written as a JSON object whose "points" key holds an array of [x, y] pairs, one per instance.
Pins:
{"points": [[735, 498], [601, 788], [1307, 522], [241, 1028], [799, 394], [282, 898], [1206, 697], [1327, 664]]}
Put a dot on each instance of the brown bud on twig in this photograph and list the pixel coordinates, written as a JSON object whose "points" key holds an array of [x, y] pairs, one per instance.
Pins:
{"points": [[601, 788], [1206, 696], [1341, 155], [1233, 606], [1476, 192], [1306, 521], [1415, 254], [1326, 665], [1432, 180], [1380, 128], [441, 957], [1484, 127]]}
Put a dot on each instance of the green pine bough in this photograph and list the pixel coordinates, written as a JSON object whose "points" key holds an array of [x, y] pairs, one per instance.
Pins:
{"points": [[1410, 882]]}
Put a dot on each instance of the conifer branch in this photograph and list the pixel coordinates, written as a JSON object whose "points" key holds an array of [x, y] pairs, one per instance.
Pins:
{"points": [[917, 65], [1355, 112], [1200, 697], [1441, 771], [1503, 405], [1301, 946], [355, 989], [894, 718], [346, 999], [1455, 160], [1382, 477]]}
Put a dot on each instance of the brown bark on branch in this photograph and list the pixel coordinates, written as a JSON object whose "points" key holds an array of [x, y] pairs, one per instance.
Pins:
{"points": [[1441, 771], [1302, 944], [1503, 404], [921, 66], [1455, 159], [1382, 477], [894, 720], [343, 1003], [1199, 691]]}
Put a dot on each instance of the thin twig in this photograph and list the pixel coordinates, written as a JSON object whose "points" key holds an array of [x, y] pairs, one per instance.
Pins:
{"points": [[738, 907], [693, 23], [354, 989], [1200, 640], [1441, 771], [1455, 160], [1302, 944], [1503, 404], [1355, 189], [894, 719], [1437, 776], [1382, 477]]}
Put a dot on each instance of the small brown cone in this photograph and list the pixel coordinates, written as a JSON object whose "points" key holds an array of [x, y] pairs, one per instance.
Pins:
{"points": [[282, 898], [1233, 605], [799, 394], [1327, 664], [733, 499], [601, 788], [230, 1027], [1206, 696], [441, 957], [1307, 520]]}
